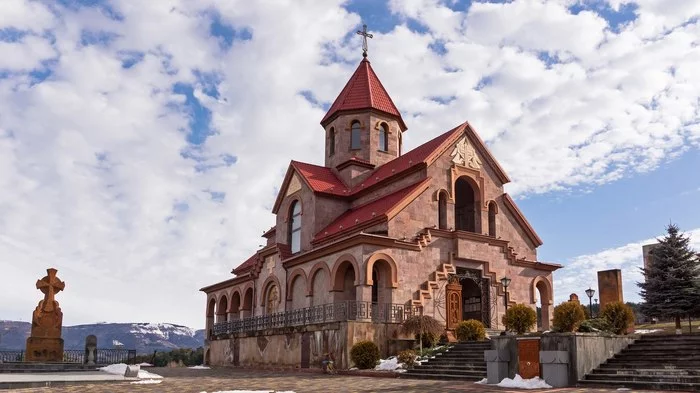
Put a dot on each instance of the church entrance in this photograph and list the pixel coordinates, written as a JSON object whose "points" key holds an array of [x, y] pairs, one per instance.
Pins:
{"points": [[475, 296]]}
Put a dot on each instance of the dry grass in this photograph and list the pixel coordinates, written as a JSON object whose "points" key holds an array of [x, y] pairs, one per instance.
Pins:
{"points": [[670, 327]]}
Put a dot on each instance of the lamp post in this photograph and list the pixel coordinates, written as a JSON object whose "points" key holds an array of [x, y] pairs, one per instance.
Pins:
{"points": [[505, 281], [590, 292]]}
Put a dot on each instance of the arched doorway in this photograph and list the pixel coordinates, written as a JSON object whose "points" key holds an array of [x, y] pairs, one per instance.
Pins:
{"points": [[381, 282], [542, 291], [247, 307], [466, 206], [222, 311], [344, 282], [476, 295], [211, 312], [235, 306]]}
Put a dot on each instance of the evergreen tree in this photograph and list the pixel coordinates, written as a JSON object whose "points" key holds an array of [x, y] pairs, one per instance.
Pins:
{"points": [[670, 288]]}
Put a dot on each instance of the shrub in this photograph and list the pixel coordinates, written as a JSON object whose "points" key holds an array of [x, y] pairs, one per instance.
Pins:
{"points": [[470, 330], [520, 318], [430, 328], [365, 354], [619, 316], [407, 357], [568, 317], [594, 325]]}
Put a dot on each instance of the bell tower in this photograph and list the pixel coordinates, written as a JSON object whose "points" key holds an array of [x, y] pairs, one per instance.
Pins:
{"points": [[363, 127]]}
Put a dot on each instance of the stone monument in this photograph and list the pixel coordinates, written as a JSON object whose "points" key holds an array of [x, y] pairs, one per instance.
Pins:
{"points": [[45, 343], [609, 287], [90, 349]]}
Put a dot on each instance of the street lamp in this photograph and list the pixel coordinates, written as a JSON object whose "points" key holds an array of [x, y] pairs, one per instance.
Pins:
{"points": [[505, 281], [590, 292]]}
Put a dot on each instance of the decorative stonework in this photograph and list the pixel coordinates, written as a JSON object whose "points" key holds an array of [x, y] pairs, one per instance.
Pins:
{"points": [[45, 343], [294, 185], [465, 155]]}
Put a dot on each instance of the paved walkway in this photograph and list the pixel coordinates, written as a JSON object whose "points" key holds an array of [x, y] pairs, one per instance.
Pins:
{"points": [[183, 380]]}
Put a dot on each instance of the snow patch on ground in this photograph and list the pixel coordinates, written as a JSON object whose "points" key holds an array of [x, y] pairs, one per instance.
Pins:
{"points": [[144, 364], [519, 383], [120, 369], [647, 331], [147, 381], [482, 382], [391, 364], [200, 367]]}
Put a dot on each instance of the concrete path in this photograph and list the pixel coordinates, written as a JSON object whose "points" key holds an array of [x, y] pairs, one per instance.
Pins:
{"points": [[184, 380], [23, 380]]}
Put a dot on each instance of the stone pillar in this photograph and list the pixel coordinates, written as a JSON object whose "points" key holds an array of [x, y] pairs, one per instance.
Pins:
{"points": [[453, 304], [609, 287], [555, 368], [90, 350], [496, 365]]}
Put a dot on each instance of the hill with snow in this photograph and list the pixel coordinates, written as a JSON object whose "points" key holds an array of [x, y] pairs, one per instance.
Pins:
{"points": [[144, 337]]}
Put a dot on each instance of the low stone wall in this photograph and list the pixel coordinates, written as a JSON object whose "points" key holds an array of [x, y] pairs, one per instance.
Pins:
{"points": [[586, 350], [283, 347]]}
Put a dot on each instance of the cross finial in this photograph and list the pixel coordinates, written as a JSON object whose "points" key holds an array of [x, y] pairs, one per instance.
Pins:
{"points": [[364, 35], [50, 285]]}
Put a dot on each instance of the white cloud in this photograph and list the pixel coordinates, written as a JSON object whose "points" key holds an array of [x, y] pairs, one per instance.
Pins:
{"points": [[91, 167], [581, 272]]}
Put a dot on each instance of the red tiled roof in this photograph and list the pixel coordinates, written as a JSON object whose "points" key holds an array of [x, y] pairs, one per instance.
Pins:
{"points": [[364, 91], [320, 178], [414, 157], [250, 262], [375, 210]]}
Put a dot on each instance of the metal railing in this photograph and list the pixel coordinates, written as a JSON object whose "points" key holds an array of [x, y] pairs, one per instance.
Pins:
{"points": [[332, 312], [103, 356]]}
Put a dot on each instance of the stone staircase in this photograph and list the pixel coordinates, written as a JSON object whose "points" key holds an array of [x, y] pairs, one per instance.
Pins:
{"points": [[660, 362], [463, 361], [433, 283]]}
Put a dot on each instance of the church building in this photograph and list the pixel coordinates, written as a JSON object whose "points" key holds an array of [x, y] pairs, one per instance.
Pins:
{"points": [[374, 236]]}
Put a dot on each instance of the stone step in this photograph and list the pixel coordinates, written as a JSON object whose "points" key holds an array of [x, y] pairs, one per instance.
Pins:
{"points": [[444, 375], [481, 368], [656, 355], [646, 385], [655, 347], [459, 358], [636, 371], [649, 378]]}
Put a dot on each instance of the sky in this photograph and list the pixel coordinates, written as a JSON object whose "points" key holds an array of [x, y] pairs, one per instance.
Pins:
{"points": [[142, 144]]}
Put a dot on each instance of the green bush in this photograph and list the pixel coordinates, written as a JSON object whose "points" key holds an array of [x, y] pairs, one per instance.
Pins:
{"points": [[470, 330], [619, 316], [430, 328], [520, 318], [568, 317], [365, 354], [594, 325], [407, 357]]}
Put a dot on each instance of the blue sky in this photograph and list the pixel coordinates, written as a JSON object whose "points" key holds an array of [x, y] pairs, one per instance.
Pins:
{"points": [[146, 156]]}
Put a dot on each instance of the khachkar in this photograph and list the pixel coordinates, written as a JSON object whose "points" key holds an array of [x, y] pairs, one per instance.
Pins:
{"points": [[45, 343]]}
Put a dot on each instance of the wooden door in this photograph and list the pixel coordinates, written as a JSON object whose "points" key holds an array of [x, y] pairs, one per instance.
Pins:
{"points": [[305, 349], [529, 358]]}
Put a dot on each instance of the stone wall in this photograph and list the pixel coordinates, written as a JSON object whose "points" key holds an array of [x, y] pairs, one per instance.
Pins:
{"points": [[283, 347]]}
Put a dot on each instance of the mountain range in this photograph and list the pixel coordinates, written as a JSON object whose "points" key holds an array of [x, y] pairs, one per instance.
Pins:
{"points": [[143, 337]]}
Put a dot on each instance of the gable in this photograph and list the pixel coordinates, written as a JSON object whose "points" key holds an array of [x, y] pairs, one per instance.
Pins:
{"points": [[294, 185]]}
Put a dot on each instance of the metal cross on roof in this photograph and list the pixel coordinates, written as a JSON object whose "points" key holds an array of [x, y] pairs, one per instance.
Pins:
{"points": [[364, 35]]}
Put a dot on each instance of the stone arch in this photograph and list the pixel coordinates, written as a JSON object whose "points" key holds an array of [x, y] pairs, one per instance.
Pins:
{"points": [[467, 198], [380, 256], [270, 280], [296, 273], [319, 279], [211, 307], [222, 309], [235, 305], [338, 275], [492, 211], [542, 285], [247, 306]]}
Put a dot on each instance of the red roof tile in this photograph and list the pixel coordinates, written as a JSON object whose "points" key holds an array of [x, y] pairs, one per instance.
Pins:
{"points": [[375, 210], [320, 178], [249, 263], [363, 91], [414, 157]]}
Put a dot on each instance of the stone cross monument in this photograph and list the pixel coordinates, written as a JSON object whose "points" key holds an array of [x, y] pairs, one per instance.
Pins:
{"points": [[45, 343]]}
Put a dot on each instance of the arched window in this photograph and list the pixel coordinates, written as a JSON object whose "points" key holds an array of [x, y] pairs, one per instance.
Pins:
{"points": [[355, 135], [294, 237], [466, 207], [492, 219], [383, 137], [331, 141], [442, 211]]}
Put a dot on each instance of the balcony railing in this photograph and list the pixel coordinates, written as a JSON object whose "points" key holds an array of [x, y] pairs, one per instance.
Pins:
{"points": [[333, 312], [102, 356]]}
